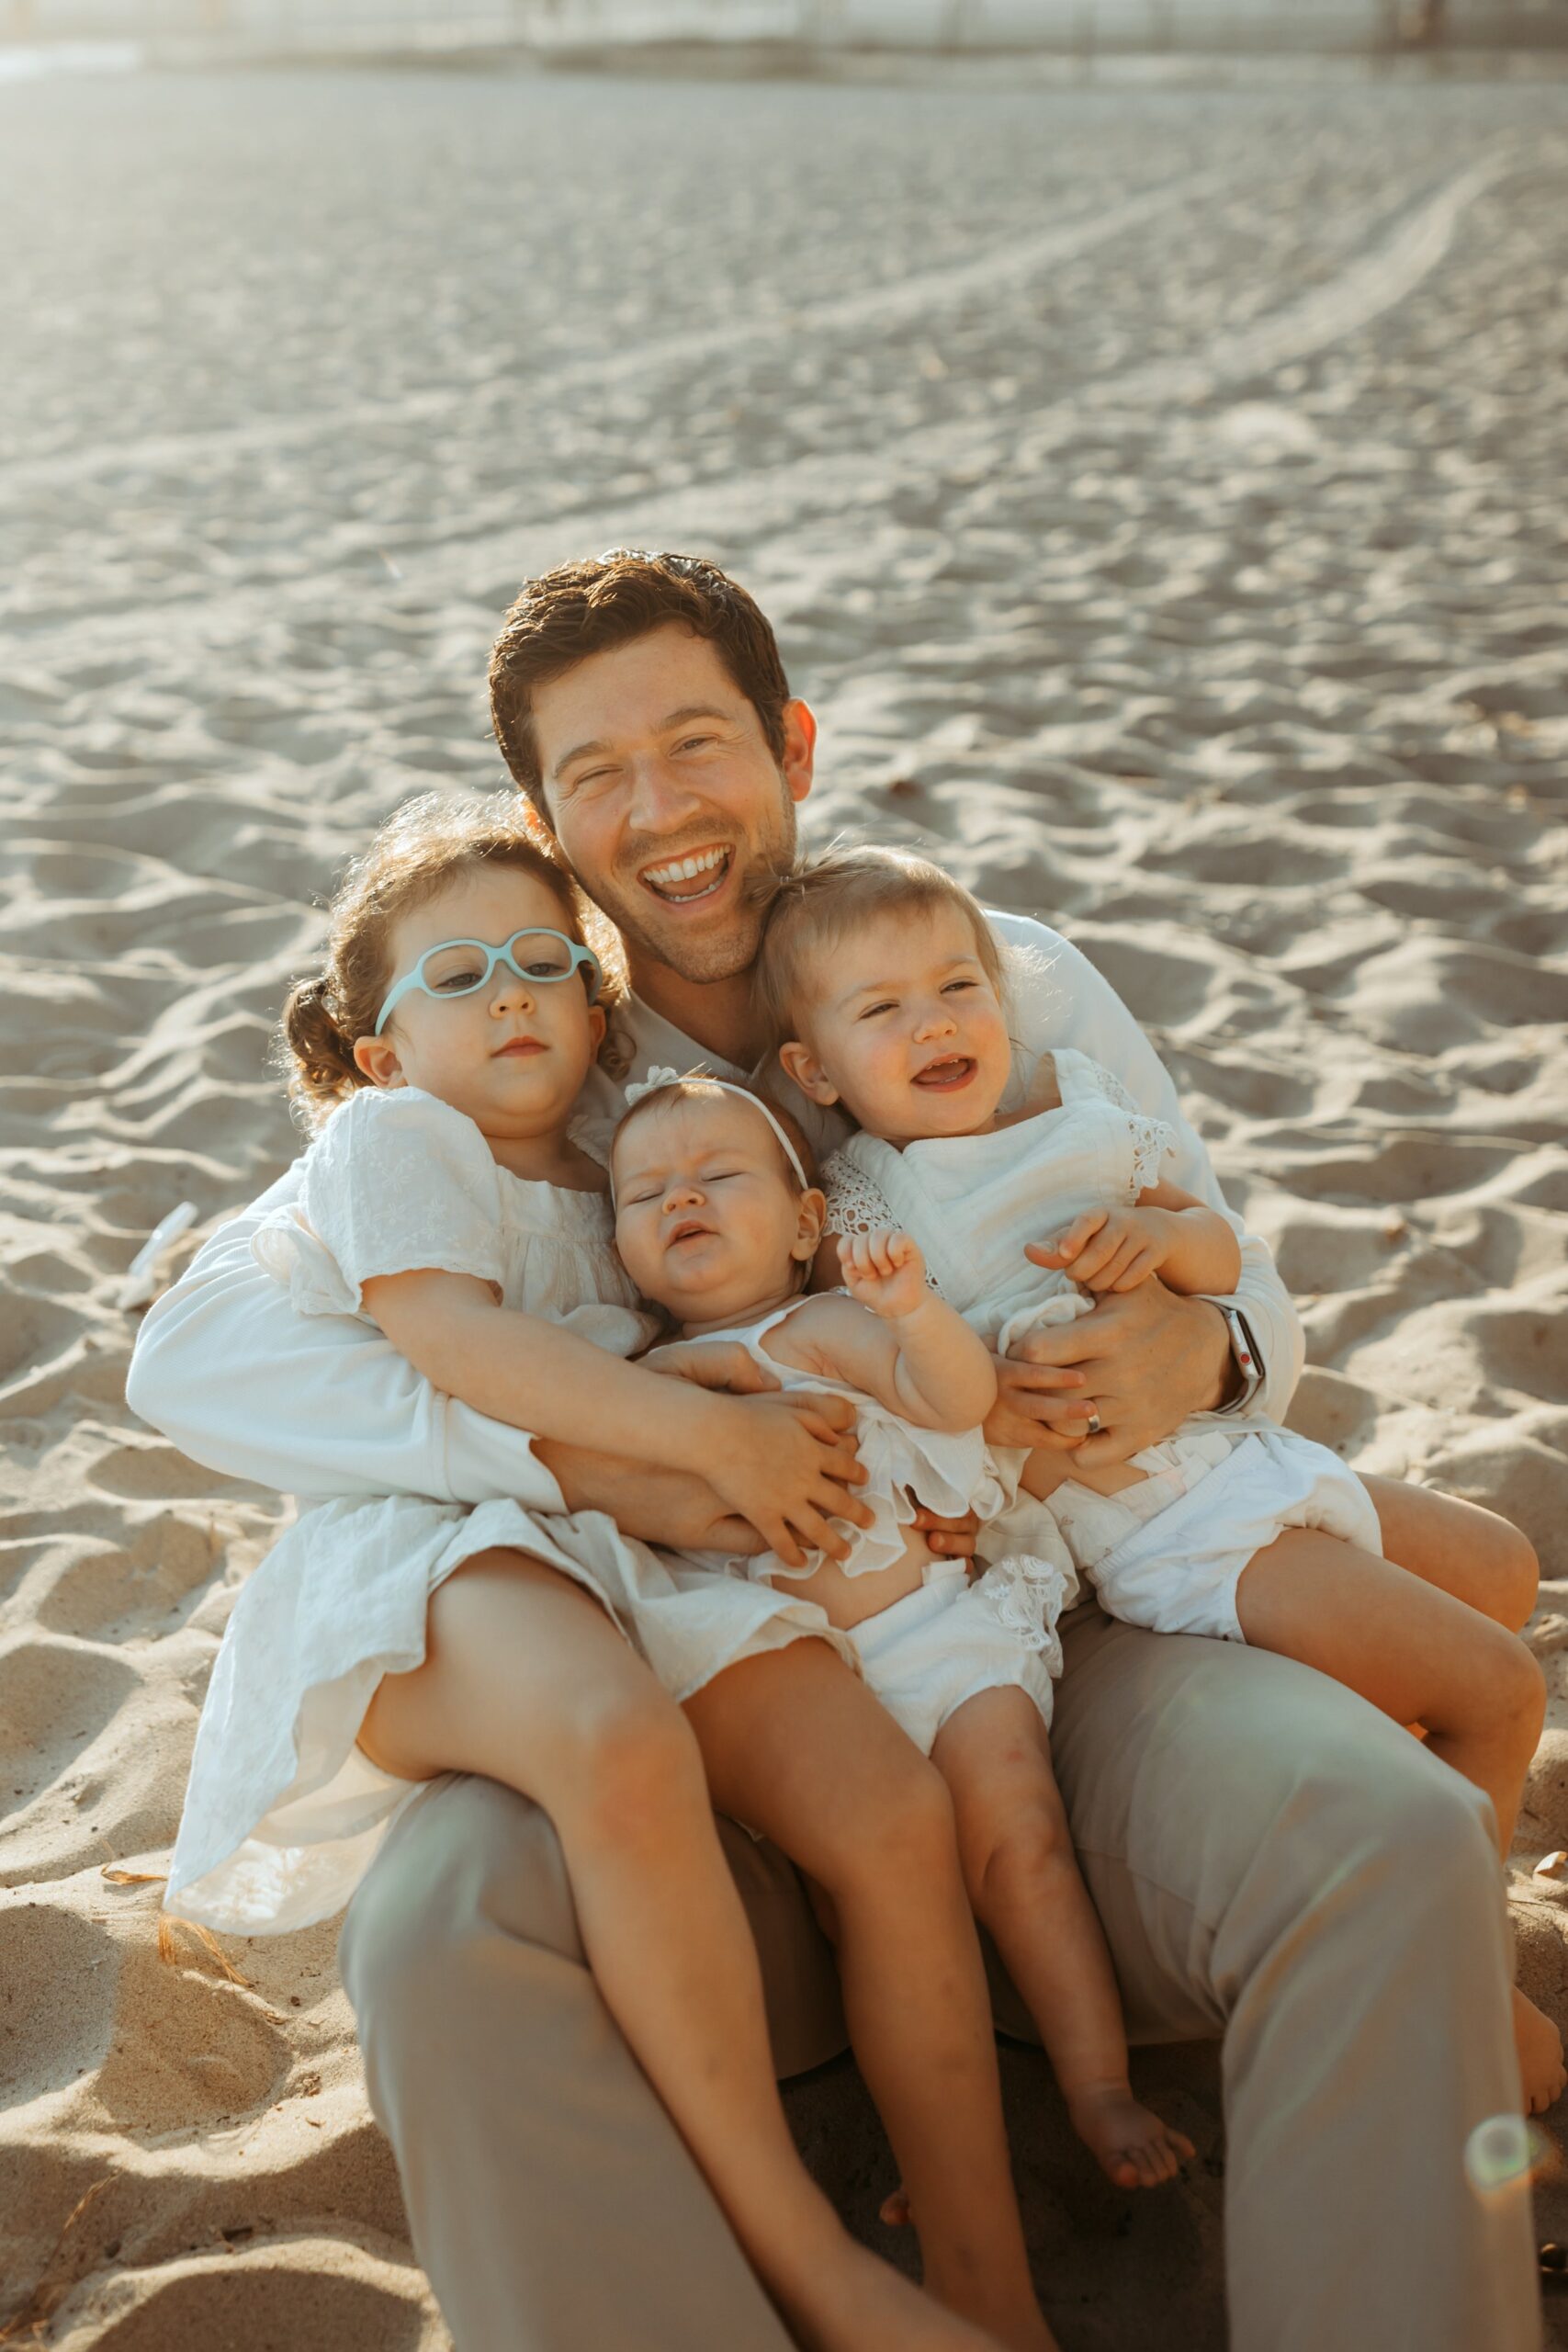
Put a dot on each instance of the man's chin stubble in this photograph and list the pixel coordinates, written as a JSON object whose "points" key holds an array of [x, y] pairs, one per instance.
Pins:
{"points": [[698, 961]]}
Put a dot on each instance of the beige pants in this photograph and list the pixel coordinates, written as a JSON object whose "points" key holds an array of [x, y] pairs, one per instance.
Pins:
{"points": [[1274, 1863]]}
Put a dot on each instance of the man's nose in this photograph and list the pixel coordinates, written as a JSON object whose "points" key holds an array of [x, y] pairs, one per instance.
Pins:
{"points": [[661, 800]]}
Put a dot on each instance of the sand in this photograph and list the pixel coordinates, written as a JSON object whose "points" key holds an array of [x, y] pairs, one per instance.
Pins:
{"points": [[1160, 496]]}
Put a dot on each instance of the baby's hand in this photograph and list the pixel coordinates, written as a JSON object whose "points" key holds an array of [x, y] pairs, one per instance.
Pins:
{"points": [[1110, 1249], [885, 1271]]}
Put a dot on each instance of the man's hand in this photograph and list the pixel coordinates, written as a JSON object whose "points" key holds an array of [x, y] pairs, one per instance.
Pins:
{"points": [[650, 1505], [1115, 1381], [677, 1508], [712, 1363], [788, 1463]]}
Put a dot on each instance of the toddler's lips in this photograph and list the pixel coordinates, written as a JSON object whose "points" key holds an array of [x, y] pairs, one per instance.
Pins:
{"points": [[689, 1231], [519, 1049], [947, 1076]]}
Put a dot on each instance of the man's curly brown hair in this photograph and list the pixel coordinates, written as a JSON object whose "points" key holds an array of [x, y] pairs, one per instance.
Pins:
{"points": [[583, 608]]}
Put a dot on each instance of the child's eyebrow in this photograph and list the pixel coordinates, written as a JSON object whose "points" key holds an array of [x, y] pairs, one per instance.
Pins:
{"points": [[875, 987]]}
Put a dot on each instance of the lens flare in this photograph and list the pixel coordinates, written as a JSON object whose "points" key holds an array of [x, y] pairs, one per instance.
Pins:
{"points": [[1502, 2150]]}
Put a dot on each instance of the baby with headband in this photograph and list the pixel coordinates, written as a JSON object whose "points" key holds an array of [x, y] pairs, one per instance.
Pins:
{"points": [[881, 979], [719, 1219], [440, 1055]]}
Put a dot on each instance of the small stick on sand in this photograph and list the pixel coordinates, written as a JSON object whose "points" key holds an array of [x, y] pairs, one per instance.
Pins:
{"points": [[34, 2314]]}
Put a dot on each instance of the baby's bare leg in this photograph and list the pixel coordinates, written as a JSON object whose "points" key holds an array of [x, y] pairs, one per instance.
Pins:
{"points": [[1024, 1883], [1420, 1656], [796, 1746], [527, 1680], [1472, 1553]]}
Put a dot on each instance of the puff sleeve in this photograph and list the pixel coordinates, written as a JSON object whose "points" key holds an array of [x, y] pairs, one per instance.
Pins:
{"points": [[396, 1181]]}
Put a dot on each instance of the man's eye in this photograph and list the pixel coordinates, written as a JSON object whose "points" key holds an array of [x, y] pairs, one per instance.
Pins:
{"points": [[694, 742]]}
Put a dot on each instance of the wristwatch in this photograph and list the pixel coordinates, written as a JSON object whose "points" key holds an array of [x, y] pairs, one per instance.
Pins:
{"points": [[1248, 1362]]}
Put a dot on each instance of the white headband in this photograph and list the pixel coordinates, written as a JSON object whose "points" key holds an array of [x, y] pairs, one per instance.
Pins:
{"points": [[658, 1079]]}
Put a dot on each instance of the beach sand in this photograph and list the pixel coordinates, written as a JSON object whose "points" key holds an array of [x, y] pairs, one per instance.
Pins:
{"points": [[1160, 498]]}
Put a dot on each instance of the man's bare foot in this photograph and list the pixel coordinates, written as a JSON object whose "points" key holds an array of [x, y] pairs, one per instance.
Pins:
{"points": [[1134, 2148], [1541, 2055]]}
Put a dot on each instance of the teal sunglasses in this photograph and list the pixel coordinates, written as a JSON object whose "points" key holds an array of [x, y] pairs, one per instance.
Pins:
{"points": [[463, 966]]}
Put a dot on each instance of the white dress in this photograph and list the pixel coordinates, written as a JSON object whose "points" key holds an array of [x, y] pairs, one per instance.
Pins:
{"points": [[283, 1814], [925, 1653], [1169, 1551]]}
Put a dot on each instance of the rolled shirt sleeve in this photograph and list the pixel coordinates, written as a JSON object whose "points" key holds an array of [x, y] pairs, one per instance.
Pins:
{"points": [[1060, 1000]]}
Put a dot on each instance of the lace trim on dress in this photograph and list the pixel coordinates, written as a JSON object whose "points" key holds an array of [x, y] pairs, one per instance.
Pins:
{"points": [[1153, 1140], [1153, 1143], [857, 1204], [1027, 1593]]}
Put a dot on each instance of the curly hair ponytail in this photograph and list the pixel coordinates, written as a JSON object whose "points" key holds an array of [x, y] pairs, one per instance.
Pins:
{"points": [[320, 1066]]}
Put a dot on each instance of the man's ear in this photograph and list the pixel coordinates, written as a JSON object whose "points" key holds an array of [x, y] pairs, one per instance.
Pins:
{"points": [[798, 1061], [808, 1233], [377, 1059], [799, 748]]}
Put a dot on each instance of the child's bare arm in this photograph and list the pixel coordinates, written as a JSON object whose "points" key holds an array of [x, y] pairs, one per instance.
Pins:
{"points": [[770, 1460], [1188, 1244], [910, 1351]]}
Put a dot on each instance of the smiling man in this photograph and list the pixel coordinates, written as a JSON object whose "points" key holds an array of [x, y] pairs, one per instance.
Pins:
{"points": [[1275, 1864]]}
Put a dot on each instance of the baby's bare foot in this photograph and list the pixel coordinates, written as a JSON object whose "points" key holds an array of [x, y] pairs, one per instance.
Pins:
{"points": [[1134, 2148], [1541, 2055]]}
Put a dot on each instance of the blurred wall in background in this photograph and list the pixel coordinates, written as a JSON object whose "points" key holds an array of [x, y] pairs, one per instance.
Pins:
{"points": [[273, 26]]}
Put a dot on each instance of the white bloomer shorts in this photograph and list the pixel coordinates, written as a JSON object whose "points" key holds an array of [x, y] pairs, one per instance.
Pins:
{"points": [[935, 1648], [1175, 1567]]}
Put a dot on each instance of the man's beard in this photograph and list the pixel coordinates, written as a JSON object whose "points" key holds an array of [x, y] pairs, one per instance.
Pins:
{"points": [[720, 955]]}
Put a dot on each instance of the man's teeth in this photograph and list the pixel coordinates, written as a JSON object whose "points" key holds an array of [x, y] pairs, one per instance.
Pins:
{"points": [[685, 869]]}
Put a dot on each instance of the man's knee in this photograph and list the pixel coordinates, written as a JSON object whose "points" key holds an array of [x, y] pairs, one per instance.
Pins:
{"points": [[1413, 1837], [469, 1866]]}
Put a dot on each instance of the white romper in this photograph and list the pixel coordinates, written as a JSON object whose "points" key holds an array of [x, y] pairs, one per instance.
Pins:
{"points": [[1168, 1554], [284, 1814], [923, 1656]]}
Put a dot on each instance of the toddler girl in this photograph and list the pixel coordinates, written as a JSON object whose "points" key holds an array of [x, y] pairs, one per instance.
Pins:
{"points": [[880, 975], [381, 1644]]}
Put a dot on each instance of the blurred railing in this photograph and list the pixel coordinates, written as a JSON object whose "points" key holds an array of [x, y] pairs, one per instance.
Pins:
{"points": [[1082, 26]]}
